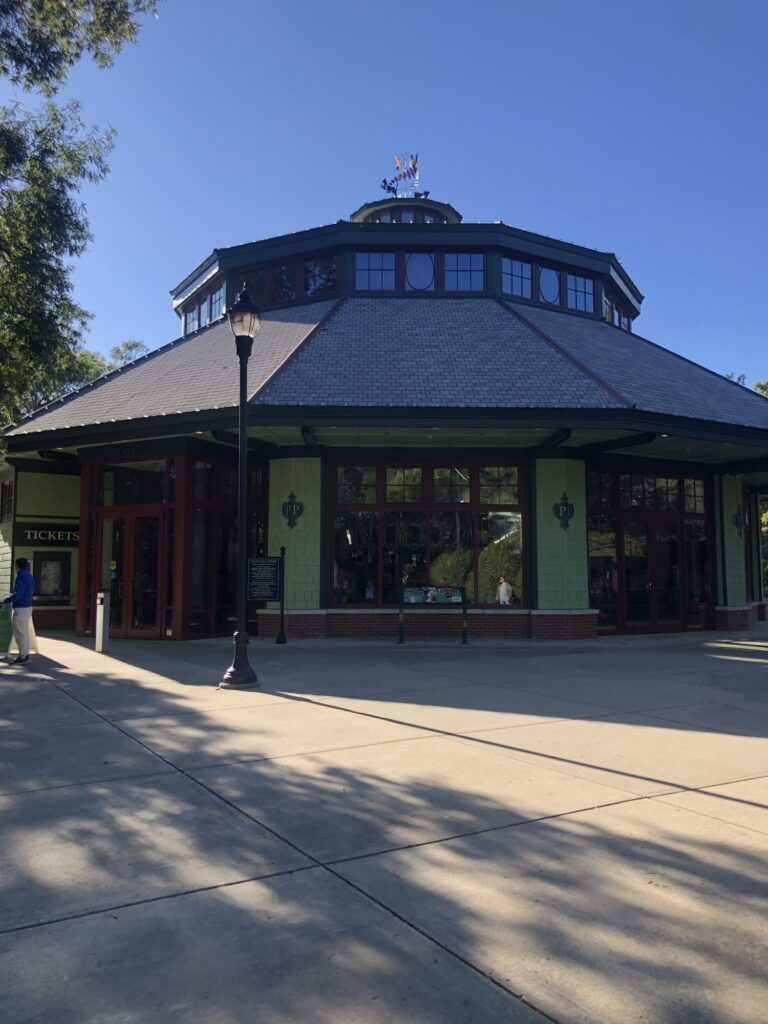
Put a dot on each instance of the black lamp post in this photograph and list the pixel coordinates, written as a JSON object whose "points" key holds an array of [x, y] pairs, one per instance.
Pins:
{"points": [[245, 321]]}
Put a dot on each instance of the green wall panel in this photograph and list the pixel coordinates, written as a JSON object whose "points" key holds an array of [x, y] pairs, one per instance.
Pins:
{"points": [[303, 542], [561, 555], [734, 562], [50, 498], [40, 495]]}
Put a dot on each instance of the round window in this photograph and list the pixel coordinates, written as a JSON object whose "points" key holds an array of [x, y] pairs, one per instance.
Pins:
{"points": [[549, 285], [419, 271]]}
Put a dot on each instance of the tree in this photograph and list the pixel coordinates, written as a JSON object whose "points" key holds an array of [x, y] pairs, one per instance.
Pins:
{"points": [[762, 387], [126, 352], [75, 369], [40, 40], [45, 159]]}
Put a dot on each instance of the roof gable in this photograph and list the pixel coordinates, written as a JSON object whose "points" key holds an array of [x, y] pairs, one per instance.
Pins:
{"points": [[431, 352], [652, 378], [197, 372]]}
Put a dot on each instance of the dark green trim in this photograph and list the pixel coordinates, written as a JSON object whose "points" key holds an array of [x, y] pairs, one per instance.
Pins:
{"points": [[530, 540], [254, 444], [588, 451], [325, 508], [22, 465], [319, 416], [346, 234], [746, 466], [723, 559], [54, 456], [553, 441], [158, 449]]}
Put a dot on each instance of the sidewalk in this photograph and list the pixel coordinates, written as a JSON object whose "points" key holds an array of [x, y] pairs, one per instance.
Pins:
{"points": [[505, 832]]}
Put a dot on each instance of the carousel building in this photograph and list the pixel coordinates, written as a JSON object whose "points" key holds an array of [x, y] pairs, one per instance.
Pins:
{"points": [[429, 402]]}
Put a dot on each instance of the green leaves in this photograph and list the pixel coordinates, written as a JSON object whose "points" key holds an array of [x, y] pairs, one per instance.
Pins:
{"points": [[44, 159], [40, 40]]}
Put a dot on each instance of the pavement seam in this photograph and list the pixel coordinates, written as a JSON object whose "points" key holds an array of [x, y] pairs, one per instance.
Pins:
{"points": [[476, 737], [314, 863], [155, 899], [85, 782]]}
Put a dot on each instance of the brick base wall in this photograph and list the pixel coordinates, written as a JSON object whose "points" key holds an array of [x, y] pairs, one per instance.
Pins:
{"points": [[54, 618], [739, 618], [423, 624], [564, 625]]}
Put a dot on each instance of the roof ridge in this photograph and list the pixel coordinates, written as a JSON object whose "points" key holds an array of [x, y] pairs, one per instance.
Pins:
{"points": [[567, 355], [310, 334]]}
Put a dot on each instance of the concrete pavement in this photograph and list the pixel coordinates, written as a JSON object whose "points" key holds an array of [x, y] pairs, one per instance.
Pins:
{"points": [[507, 832]]}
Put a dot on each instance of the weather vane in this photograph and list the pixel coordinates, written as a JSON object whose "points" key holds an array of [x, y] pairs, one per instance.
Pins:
{"points": [[405, 183]]}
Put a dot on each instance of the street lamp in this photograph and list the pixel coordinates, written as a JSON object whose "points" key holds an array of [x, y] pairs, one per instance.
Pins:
{"points": [[245, 321]]}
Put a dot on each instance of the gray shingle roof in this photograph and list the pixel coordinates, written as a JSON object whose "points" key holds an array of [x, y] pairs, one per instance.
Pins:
{"points": [[431, 352], [196, 372], [650, 377], [412, 352]]}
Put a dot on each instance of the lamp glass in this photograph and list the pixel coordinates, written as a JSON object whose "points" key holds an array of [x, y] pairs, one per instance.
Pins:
{"points": [[244, 316]]}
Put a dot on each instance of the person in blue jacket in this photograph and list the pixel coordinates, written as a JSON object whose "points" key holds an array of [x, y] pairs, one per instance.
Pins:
{"points": [[21, 609]]}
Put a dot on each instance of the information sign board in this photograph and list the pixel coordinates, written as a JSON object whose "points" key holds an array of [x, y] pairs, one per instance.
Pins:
{"points": [[264, 579]]}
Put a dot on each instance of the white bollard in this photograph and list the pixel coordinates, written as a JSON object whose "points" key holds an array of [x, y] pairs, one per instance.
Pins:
{"points": [[102, 620]]}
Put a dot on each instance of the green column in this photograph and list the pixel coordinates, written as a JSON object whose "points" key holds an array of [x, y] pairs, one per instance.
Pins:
{"points": [[731, 567], [561, 554], [303, 542]]}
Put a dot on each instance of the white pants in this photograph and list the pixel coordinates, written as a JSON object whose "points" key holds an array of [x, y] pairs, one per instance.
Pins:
{"points": [[23, 631]]}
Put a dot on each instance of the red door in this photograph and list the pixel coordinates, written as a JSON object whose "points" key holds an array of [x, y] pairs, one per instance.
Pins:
{"points": [[130, 568], [652, 592]]}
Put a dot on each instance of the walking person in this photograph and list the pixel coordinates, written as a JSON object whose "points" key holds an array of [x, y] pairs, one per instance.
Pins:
{"points": [[21, 609]]}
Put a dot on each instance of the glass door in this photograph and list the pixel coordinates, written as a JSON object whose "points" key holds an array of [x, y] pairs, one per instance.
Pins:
{"points": [[652, 596], [143, 618], [665, 594], [111, 575], [637, 574], [129, 568]]}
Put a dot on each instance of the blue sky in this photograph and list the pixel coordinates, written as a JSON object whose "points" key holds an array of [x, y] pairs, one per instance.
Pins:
{"points": [[634, 128]]}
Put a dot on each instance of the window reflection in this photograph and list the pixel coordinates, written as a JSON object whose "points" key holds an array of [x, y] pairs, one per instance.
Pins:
{"points": [[549, 285], [500, 554], [405, 555], [450, 548], [320, 275], [283, 283], [603, 569], [356, 555], [599, 489], [697, 596], [132, 483], [429, 543], [419, 272], [217, 302], [375, 271], [450, 484], [581, 293], [498, 485], [464, 272], [694, 496], [404, 485], [356, 485], [516, 277]]}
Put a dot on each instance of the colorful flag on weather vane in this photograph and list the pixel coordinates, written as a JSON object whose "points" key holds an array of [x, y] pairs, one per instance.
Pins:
{"points": [[408, 171]]}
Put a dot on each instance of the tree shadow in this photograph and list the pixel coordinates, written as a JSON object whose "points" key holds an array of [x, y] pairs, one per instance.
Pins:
{"points": [[358, 858]]}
